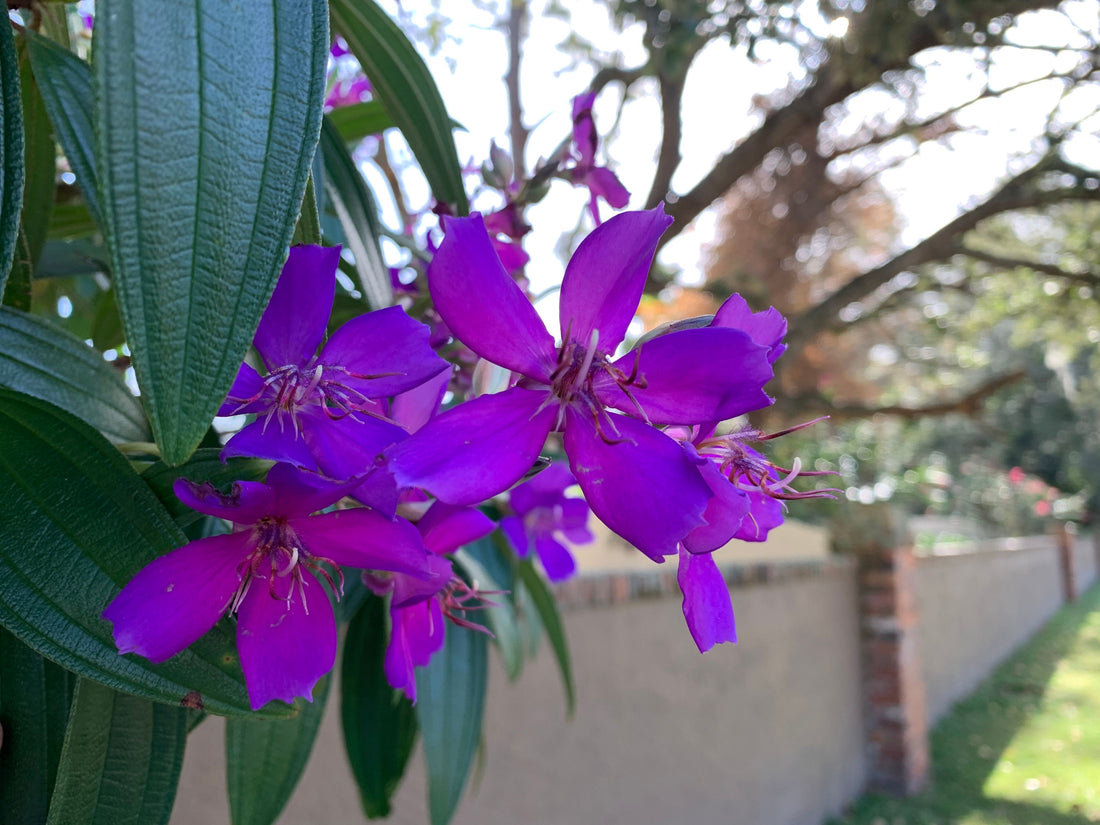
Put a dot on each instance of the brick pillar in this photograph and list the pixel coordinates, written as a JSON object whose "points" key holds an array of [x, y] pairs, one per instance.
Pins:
{"points": [[894, 703], [1066, 561]]}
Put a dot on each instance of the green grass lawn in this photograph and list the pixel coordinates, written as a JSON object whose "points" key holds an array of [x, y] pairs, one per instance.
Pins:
{"points": [[1024, 749]]}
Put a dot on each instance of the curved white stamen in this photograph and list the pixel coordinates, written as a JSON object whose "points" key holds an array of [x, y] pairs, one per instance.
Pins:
{"points": [[796, 468], [290, 567], [586, 364]]}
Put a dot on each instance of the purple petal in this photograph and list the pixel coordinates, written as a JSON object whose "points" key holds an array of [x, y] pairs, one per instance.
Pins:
{"points": [[293, 324], [724, 514], [247, 503], [286, 645], [346, 447], [605, 277], [483, 306], [556, 559], [379, 492], [414, 408], [380, 354], [446, 527], [362, 538], [764, 514], [298, 493], [707, 606], [574, 520], [245, 396], [544, 490], [176, 598], [408, 590], [645, 488], [477, 449], [694, 375], [602, 183], [584, 130], [766, 328], [272, 440], [516, 532], [417, 633]]}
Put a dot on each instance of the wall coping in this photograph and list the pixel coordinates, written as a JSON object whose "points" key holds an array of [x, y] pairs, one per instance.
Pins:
{"points": [[600, 588]]}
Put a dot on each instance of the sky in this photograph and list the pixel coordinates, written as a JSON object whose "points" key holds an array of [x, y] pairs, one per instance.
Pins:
{"points": [[929, 188]]}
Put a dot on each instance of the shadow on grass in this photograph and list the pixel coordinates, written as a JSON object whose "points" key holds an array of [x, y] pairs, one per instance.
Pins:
{"points": [[967, 744]]}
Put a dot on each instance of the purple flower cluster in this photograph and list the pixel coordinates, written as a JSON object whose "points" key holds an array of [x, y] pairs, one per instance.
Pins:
{"points": [[355, 417]]}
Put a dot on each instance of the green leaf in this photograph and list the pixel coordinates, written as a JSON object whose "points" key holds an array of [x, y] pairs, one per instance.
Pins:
{"points": [[357, 120], [207, 118], [204, 465], [265, 759], [78, 524], [121, 761], [402, 83], [41, 360], [70, 221], [349, 197], [65, 82], [476, 559], [308, 229], [379, 722], [450, 707], [547, 608], [11, 152], [40, 169], [34, 707]]}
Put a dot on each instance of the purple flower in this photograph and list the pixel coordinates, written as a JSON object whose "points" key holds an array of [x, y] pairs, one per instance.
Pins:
{"points": [[418, 607], [321, 411], [347, 92], [545, 515], [269, 572], [639, 481], [600, 180]]}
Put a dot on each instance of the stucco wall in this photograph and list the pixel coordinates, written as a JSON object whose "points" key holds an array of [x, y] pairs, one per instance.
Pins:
{"points": [[976, 608], [767, 732]]}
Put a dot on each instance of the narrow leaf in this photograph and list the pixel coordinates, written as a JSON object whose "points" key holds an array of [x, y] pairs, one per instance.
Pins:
{"points": [[357, 120], [121, 761], [78, 524], [202, 170], [41, 360], [547, 608], [379, 722], [402, 83], [308, 229], [349, 197], [265, 759], [11, 152], [450, 708], [40, 167], [65, 82], [34, 708], [501, 616]]}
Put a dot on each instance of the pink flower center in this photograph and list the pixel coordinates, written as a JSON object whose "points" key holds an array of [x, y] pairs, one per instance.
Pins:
{"points": [[278, 559]]}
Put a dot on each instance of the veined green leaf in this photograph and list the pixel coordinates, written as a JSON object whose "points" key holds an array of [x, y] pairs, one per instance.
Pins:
{"points": [[349, 196], [402, 83], [121, 760], [357, 120], [41, 360], [78, 524], [547, 608], [34, 708], [207, 119], [265, 759], [11, 152], [450, 707], [40, 170], [379, 722], [66, 85]]}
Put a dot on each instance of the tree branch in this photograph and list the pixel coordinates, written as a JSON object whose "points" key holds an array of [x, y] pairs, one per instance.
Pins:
{"points": [[672, 96], [1088, 277], [969, 404], [517, 27], [1018, 193]]}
